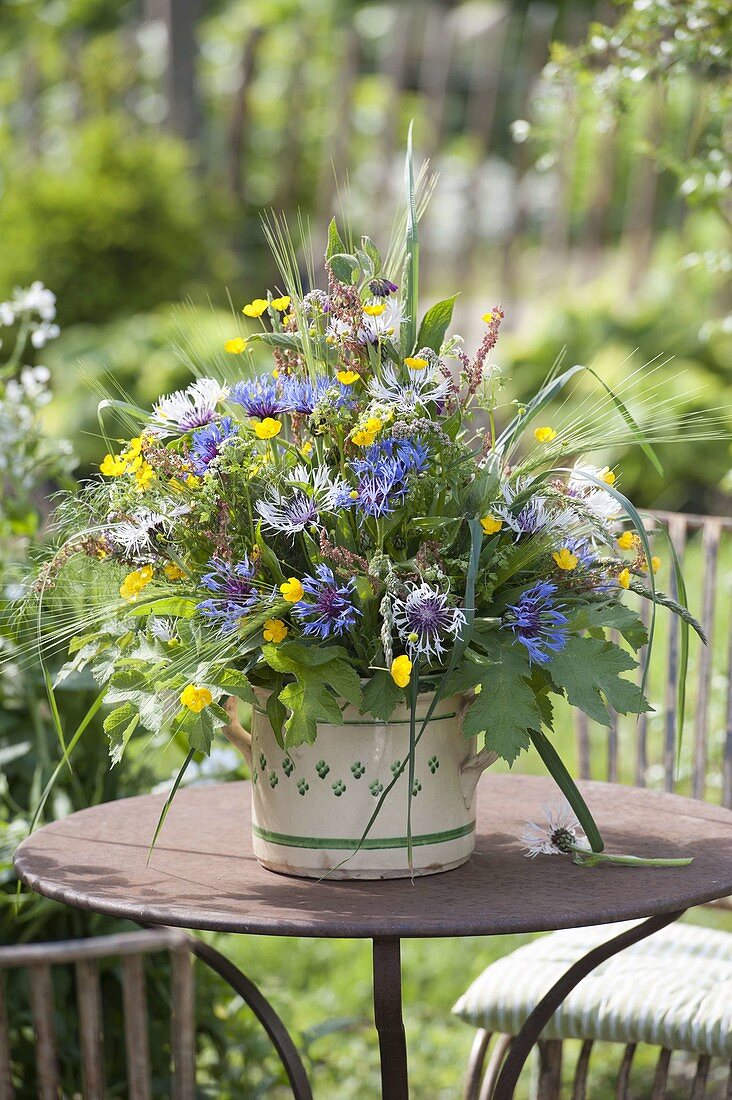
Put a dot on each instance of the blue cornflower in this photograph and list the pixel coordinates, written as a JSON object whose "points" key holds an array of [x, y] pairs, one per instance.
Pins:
{"points": [[328, 608], [383, 473], [538, 622], [583, 550], [301, 395], [235, 593], [207, 443], [258, 397]]}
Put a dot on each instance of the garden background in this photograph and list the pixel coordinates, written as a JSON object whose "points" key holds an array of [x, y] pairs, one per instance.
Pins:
{"points": [[140, 144]]}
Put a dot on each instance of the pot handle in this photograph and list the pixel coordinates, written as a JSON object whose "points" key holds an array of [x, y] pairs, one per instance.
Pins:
{"points": [[471, 770], [240, 737]]}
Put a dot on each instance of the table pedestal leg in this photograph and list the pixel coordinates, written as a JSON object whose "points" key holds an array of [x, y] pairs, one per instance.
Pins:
{"points": [[388, 1019], [547, 1006]]}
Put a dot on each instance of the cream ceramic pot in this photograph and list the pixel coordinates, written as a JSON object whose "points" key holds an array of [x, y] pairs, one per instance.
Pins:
{"points": [[311, 804]]}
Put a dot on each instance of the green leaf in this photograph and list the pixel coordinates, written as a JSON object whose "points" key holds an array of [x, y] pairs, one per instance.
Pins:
{"points": [[178, 606], [269, 559], [381, 695], [335, 244], [344, 267], [372, 252], [119, 726], [435, 323], [198, 728], [277, 713], [309, 702], [588, 670], [506, 708], [613, 615], [233, 682]]}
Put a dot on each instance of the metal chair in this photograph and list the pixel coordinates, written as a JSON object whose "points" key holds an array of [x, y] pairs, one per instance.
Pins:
{"points": [[131, 949], [643, 752]]}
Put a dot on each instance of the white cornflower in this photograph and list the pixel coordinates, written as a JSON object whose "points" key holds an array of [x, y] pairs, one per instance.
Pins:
{"points": [[135, 536], [601, 503], [164, 630], [419, 389], [561, 833], [423, 618], [535, 515], [189, 408], [307, 492]]}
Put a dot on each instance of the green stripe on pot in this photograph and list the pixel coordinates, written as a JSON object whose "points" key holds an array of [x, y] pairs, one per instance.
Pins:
{"points": [[345, 844], [375, 721]]}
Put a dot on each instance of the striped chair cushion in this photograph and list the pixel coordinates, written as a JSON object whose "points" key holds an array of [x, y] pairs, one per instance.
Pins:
{"points": [[673, 990]]}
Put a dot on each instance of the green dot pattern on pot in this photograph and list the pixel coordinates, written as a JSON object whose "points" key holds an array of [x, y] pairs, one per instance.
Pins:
{"points": [[322, 769], [416, 788], [357, 769], [433, 764], [288, 766], [338, 788], [396, 766], [273, 779], [376, 788], [302, 787], [262, 762]]}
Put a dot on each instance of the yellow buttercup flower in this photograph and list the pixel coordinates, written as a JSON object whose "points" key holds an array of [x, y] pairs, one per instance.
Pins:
{"points": [[133, 448], [275, 374], [288, 318], [373, 424], [491, 524], [655, 564], [362, 438], [134, 583], [256, 308], [307, 448], [608, 477], [624, 578], [347, 377], [416, 362], [113, 466], [192, 481], [627, 540], [275, 630], [353, 494], [565, 559], [401, 671], [143, 476], [195, 698], [374, 310], [235, 346], [281, 304], [545, 435], [173, 571], [487, 317], [267, 428], [292, 590]]}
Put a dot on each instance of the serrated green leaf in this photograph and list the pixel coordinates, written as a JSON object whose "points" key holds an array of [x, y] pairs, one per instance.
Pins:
{"points": [[335, 244], [119, 726], [233, 682], [588, 670], [309, 702], [381, 695], [198, 728], [435, 324], [613, 615], [506, 708]]}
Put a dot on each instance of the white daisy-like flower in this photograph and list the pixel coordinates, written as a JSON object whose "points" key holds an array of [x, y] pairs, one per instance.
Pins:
{"points": [[420, 388], [601, 503], [535, 515], [163, 629], [423, 618], [387, 323], [189, 408], [293, 508], [135, 536], [558, 836]]}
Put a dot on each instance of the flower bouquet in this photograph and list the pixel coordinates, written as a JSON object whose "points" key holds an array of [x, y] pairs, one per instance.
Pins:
{"points": [[396, 569]]}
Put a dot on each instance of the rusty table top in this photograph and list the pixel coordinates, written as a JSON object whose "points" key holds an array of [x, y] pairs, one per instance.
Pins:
{"points": [[203, 874]]}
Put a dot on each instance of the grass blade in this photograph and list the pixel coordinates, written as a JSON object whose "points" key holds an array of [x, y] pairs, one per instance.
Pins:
{"points": [[412, 248], [169, 801], [637, 433], [65, 758]]}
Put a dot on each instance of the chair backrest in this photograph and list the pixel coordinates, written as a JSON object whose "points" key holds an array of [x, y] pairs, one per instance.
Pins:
{"points": [[38, 961], [643, 751]]}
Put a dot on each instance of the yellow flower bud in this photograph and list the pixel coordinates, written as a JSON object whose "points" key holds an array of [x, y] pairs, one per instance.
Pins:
{"points": [[624, 578], [487, 317], [655, 564], [401, 671], [627, 540], [173, 571], [608, 477]]}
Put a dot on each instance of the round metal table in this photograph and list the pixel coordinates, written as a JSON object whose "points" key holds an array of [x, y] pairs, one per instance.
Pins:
{"points": [[202, 874]]}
